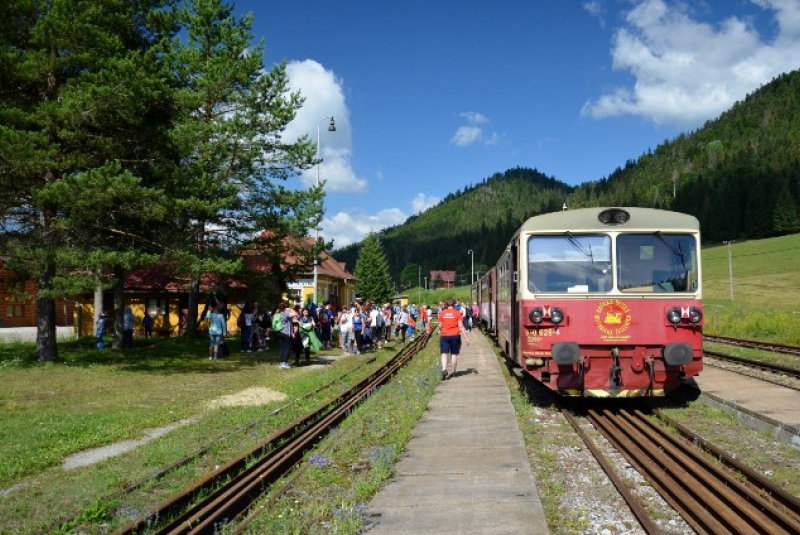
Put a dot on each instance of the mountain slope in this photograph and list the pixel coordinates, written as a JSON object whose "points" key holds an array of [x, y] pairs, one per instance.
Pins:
{"points": [[481, 218]]}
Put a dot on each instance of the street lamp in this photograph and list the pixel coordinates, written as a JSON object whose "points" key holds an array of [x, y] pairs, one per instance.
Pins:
{"points": [[471, 267], [331, 128]]}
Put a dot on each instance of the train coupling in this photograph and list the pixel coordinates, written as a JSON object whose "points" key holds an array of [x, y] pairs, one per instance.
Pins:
{"points": [[615, 371]]}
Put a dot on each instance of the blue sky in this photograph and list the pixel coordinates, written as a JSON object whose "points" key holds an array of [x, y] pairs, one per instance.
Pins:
{"points": [[430, 96]]}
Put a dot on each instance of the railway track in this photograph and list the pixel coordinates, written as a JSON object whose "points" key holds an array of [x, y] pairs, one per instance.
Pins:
{"points": [[64, 522], [775, 368], [224, 498], [765, 346], [711, 498]]}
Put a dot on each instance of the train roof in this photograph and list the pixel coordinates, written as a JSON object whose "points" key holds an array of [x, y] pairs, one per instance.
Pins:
{"points": [[588, 219]]}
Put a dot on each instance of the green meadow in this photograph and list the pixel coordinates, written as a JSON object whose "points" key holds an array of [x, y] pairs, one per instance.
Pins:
{"points": [[765, 304]]}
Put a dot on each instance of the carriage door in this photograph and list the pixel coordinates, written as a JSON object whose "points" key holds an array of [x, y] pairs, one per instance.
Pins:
{"points": [[517, 347]]}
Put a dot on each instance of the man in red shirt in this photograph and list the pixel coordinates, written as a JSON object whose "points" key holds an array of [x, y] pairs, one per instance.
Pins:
{"points": [[451, 327]]}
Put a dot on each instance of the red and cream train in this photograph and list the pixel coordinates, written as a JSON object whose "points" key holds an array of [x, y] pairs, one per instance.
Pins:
{"points": [[600, 302]]}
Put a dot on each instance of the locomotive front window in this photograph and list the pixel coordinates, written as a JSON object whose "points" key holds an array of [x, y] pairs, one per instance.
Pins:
{"points": [[569, 263], [657, 262]]}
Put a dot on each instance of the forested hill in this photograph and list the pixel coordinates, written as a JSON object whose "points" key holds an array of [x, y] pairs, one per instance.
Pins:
{"points": [[481, 217], [738, 174]]}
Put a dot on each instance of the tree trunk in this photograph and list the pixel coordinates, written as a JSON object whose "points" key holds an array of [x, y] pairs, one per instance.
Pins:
{"points": [[98, 303], [119, 305], [46, 348], [194, 299]]}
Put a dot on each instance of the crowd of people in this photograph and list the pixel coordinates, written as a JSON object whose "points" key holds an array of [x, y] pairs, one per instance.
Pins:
{"points": [[299, 331], [355, 329]]}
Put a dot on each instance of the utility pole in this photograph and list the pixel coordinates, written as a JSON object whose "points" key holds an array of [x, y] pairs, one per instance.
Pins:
{"points": [[730, 266], [419, 284]]}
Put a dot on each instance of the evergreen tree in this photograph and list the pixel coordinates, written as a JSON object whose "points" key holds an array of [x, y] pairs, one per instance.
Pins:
{"points": [[410, 275], [372, 271], [83, 111], [233, 156], [785, 219]]}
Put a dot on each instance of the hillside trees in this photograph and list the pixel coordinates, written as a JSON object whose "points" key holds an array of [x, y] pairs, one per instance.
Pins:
{"points": [[372, 270], [233, 158], [410, 275], [83, 113]]}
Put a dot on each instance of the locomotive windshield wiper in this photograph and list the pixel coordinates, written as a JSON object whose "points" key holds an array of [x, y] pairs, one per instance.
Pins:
{"points": [[677, 251], [577, 245]]}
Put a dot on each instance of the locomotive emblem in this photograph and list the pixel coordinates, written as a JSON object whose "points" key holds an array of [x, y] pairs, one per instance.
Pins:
{"points": [[612, 318]]}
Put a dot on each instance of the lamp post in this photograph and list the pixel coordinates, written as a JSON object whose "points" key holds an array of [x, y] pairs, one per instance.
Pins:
{"points": [[471, 267], [331, 128]]}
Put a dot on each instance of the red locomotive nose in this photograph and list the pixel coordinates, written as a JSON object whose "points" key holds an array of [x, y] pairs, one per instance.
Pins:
{"points": [[599, 301]]}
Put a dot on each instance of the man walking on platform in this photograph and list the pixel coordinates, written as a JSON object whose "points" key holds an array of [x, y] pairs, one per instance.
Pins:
{"points": [[451, 326]]}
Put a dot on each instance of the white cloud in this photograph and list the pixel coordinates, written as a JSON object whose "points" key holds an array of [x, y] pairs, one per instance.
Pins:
{"points": [[688, 71], [472, 133], [346, 228], [474, 117], [422, 202], [466, 135], [324, 97], [492, 139], [596, 9]]}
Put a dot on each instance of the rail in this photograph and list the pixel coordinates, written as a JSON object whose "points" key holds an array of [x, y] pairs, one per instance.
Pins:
{"points": [[225, 496]]}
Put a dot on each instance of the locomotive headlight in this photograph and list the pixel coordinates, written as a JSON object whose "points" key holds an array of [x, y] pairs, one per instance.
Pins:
{"points": [[614, 216], [674, 316], [695, 315], [536, 315], [556, 315]]}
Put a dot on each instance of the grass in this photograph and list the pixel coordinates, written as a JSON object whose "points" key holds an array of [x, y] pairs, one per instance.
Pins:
{"points": [[777, 460], [96, 398], [765, 304]]}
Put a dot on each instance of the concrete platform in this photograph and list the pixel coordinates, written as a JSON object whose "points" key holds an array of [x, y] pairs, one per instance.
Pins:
{"points": [[465, 470], [775, 407]]}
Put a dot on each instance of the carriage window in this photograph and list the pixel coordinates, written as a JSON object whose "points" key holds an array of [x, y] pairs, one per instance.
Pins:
{"points": [[657, 263], [569, 263]]}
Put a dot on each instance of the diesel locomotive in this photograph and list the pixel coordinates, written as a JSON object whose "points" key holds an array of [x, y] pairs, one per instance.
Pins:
{"points": [[599, 302]]}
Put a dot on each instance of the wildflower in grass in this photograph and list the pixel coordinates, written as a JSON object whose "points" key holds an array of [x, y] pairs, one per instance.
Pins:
{"points": [[320, 461]]}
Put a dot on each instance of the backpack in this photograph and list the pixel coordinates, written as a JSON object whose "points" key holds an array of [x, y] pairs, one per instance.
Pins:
{"points": [[277, 323], [323, 316]]}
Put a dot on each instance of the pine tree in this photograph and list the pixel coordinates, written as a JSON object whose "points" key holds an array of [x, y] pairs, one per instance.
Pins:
{"points": [[785, 219], [372, 270], [83, 110], [233, 154]]}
